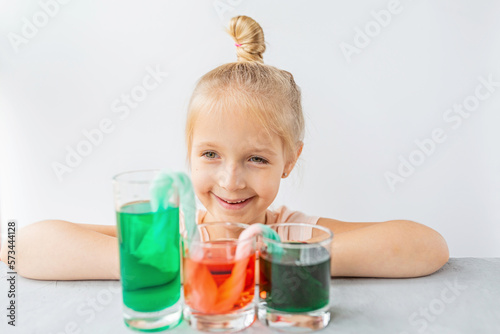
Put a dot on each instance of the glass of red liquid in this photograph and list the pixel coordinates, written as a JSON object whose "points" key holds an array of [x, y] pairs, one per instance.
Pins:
{"points": [[219, 278]]}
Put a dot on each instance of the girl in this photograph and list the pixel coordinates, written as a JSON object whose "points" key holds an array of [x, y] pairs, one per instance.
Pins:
{"points": [[244, 133]]}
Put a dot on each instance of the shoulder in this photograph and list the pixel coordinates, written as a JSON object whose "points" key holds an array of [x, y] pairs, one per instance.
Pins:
{"points": [[285, 215]]}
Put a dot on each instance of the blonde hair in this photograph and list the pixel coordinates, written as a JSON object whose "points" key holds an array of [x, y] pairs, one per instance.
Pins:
{"points": [[263, 92]]}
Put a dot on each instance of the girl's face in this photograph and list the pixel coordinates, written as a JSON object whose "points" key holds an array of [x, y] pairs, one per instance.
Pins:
{"points": [[236, 167]]}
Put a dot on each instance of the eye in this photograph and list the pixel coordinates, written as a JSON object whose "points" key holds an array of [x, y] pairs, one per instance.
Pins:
{"points": [[209, 155], [259, 160]]}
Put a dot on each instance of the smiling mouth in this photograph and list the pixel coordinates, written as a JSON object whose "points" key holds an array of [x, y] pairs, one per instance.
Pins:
{"points": [[233, 204]]}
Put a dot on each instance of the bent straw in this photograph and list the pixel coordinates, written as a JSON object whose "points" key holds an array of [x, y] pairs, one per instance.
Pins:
{"points": [[156, 252], [264, 231], [200, 286], [187, 202], [230, 291]]}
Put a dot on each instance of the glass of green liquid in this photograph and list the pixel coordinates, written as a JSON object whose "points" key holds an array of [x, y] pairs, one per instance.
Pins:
{"points": [[294, 286], [148, 239]]}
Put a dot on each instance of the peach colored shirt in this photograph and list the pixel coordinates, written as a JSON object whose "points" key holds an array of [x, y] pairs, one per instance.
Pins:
{"points": [[279, 216]]}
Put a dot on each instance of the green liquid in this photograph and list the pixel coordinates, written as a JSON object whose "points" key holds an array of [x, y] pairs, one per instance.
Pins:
{"points": [[149, 256], [288, 287]]}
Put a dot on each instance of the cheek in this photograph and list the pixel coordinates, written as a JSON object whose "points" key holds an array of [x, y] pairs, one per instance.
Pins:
{"points": [[200, 179], [268, 187]]}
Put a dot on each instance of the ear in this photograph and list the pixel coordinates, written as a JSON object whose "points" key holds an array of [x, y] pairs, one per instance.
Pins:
{"points": [[289, 166]]}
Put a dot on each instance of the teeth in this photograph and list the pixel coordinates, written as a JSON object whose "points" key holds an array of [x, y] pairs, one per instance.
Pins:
{"points": [[236, 202]]}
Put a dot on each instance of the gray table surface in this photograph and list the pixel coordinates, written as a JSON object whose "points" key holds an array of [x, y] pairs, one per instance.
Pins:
{"points": [[462, 297]]}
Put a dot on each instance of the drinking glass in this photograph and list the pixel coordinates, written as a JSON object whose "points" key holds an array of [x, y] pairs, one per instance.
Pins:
{"points": [[219, 278], [295, 278], [148, 239]]}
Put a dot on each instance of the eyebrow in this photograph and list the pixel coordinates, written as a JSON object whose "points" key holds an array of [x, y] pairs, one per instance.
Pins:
{"points": [[263, 150]]}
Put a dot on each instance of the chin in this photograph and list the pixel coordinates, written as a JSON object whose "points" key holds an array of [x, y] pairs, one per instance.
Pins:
{"points": [[231, 218]]}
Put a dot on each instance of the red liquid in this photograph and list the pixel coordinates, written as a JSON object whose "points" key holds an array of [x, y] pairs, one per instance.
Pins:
{"points": [[216, 285]]}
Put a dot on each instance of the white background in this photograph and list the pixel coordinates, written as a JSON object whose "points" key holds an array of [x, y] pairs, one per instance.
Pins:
{"points": [[363, 111]]}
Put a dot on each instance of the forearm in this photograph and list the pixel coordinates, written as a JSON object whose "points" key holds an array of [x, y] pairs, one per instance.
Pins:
{"points": [[389, 249], [60, 250]]}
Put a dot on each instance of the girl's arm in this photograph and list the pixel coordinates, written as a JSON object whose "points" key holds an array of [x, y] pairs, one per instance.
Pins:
{"points": [[397, 248], [60, 250]]}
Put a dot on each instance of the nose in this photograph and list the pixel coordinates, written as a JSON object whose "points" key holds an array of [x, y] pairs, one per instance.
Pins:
{"points": [[232, 177]]}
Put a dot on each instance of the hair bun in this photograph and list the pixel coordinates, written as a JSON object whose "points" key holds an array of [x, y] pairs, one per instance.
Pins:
{"points": [[249, 34]]}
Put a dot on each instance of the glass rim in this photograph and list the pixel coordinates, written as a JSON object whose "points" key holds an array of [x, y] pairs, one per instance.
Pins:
{"points": [[327, 239], [117, 177], [234, 241]]}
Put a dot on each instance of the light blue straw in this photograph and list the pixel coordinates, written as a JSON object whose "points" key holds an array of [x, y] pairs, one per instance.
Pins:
{"points": [[275, 249], [265, 231], [161, 191]]}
